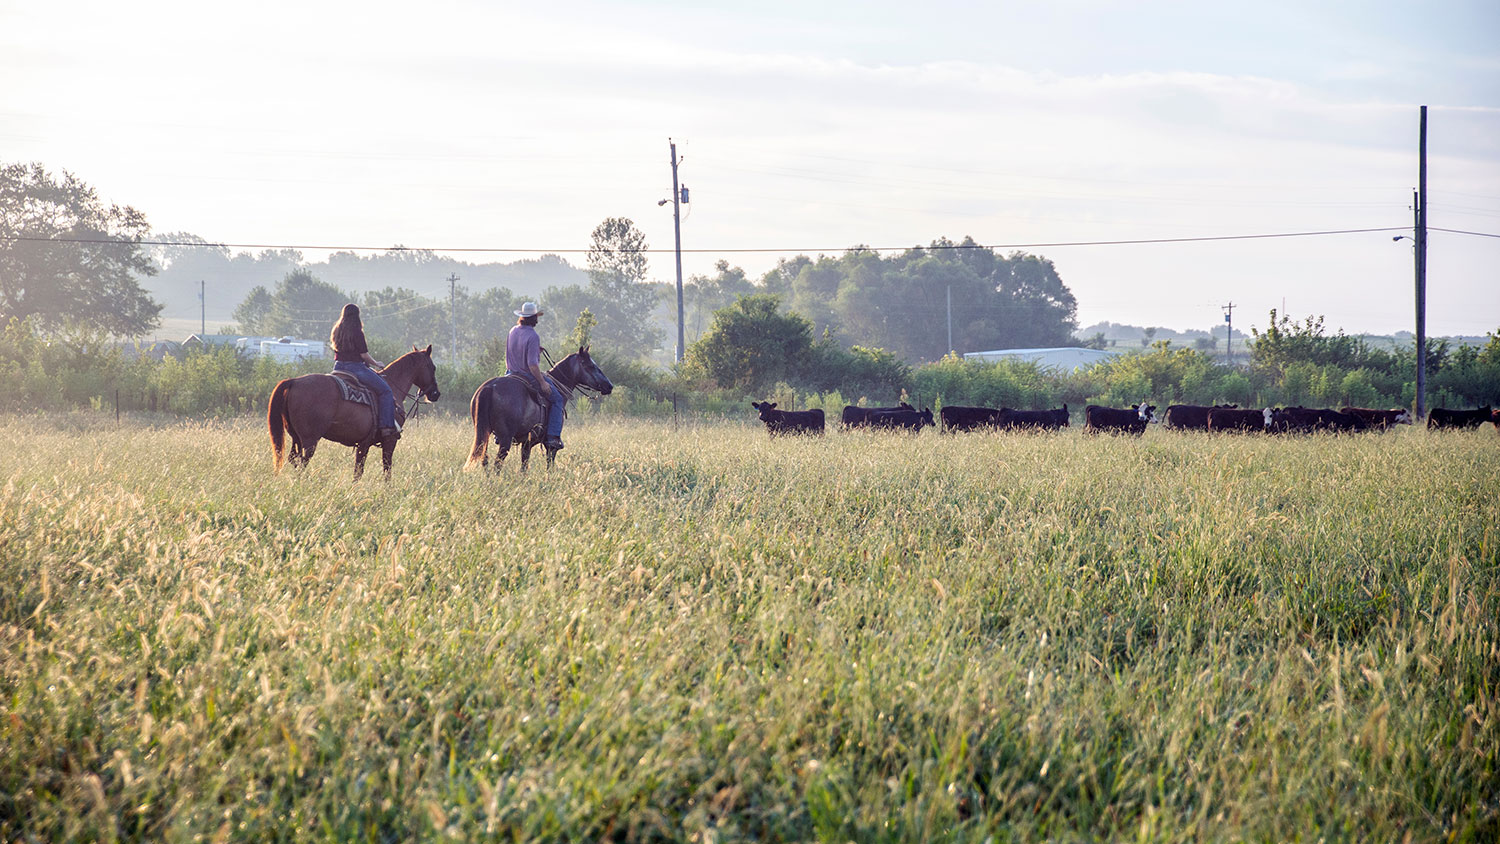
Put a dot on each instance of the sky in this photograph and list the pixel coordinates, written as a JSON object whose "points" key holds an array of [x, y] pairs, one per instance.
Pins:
{"points": [[808, 128]]}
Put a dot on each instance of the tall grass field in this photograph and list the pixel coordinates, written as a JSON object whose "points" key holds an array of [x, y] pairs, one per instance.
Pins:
{"points": [[702, 634]]}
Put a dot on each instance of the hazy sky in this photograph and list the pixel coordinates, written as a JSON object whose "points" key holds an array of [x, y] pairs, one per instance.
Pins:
{"points": [[807, 127]]}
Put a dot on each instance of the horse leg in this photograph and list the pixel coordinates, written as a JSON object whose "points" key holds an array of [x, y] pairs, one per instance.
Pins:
{"points": [[551, 456], [306, 453], [502, 448], [525, 453], [360, 451], [387, 449]]}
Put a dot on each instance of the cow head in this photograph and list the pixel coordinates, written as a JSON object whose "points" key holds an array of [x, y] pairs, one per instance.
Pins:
{"points": [[1403, 418], [1146, 412], [765, 408], [926, 417], [1267, 415]]}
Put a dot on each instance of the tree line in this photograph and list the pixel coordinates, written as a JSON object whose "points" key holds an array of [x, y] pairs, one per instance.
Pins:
{"points": [[853, 325]]}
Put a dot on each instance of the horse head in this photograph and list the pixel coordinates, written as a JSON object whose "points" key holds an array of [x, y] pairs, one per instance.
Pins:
{"points": [[586, 373], [424, 372]]}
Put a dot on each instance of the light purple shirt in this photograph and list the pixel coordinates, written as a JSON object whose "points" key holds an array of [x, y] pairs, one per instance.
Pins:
{"points": [[522, 349]]}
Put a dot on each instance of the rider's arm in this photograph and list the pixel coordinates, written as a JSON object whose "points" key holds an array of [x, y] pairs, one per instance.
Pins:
{"points": [[536, 372], [374, 364]]}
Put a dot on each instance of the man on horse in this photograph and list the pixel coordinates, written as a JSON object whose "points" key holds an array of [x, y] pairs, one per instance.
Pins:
{"points": [[523, 358], [352, 355]]}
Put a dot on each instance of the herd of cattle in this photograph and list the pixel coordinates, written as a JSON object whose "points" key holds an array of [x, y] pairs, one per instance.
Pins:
{"points": [[1224, 417]]}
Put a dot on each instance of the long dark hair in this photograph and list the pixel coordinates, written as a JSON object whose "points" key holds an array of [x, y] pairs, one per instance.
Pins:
{"points": [[347, 330]]}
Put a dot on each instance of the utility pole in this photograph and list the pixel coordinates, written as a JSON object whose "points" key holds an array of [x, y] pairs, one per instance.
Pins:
{"points": [[1229, 334], [202, 308], [1421, 236], [453, 316], [950, 319], [677, 240]]}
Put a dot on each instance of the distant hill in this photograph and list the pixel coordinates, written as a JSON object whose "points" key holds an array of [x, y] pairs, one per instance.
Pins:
{"points": [[228, 277]]}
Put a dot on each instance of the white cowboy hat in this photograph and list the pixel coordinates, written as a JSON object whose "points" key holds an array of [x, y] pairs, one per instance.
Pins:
{"points": [[529, 309]]}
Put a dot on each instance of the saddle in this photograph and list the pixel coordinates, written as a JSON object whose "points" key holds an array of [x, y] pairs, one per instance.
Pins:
{"points": [[545, 401], [351, 390]]}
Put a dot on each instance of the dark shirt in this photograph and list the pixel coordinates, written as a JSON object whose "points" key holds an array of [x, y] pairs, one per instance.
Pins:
{"points": [[356, 349]]}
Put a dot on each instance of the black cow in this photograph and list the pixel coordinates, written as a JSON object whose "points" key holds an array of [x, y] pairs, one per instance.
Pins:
{"points": [[957, 417], [1098, 418], [1306, 420], [1183, 417], [1043, 420], [789, 421], [859, 417], [1380, 419], [1442, 417], [911, 420], [1233, 419]]}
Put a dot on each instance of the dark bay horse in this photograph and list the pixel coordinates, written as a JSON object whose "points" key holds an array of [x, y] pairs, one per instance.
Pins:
{"points": [[505, 408], [311, 408]]}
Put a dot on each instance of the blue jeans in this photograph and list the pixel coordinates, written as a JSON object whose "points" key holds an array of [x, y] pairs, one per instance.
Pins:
{"points": [[555, 413], [385, 400]]}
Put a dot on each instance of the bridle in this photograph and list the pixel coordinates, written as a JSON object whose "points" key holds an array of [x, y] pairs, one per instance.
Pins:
{"points": [[570, 387]]}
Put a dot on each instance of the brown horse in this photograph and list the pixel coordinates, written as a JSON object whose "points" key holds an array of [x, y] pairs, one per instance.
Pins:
{"points": [[311, 408], [506, 409]]}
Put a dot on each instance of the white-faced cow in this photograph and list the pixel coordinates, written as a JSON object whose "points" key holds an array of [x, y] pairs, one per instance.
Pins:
{"points": [[789, 421], [1097, 418]]}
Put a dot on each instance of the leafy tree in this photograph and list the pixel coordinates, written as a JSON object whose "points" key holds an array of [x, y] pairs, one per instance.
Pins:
{"points": [[301, 306], [583, 330], [751, 344], [1286, 342], [66, 256], [252, 315], [901, 303], [619, 294], [702, 295]]}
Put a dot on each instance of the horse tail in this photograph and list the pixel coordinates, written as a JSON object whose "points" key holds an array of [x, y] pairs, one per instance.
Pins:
{"points": [[479, 411], [276, 421]]}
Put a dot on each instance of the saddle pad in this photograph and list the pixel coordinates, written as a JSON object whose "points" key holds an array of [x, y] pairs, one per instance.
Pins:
{"points": [[352, 390]]}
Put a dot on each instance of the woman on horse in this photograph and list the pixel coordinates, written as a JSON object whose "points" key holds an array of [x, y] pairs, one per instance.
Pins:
{"points": [[523, 357], [352, 355]]}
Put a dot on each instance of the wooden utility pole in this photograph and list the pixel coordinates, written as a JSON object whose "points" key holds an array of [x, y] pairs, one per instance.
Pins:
{"points": [[677, 240], [1229, 335], [202, 308], [1421, 262], [453, 316]]}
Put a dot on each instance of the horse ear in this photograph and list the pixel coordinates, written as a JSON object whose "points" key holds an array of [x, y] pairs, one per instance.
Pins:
{"points": [[584, 349], [429, 349]]}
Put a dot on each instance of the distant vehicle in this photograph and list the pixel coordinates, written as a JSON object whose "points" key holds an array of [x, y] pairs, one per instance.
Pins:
{"points": [[290, 349]]}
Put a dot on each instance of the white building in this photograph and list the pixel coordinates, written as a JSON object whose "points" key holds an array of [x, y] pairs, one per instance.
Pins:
{"points": [[1067, 358]]}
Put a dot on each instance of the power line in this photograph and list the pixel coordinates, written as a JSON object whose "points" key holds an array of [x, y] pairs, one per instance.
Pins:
{"points": [[935, 247], [1460, 231]]}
